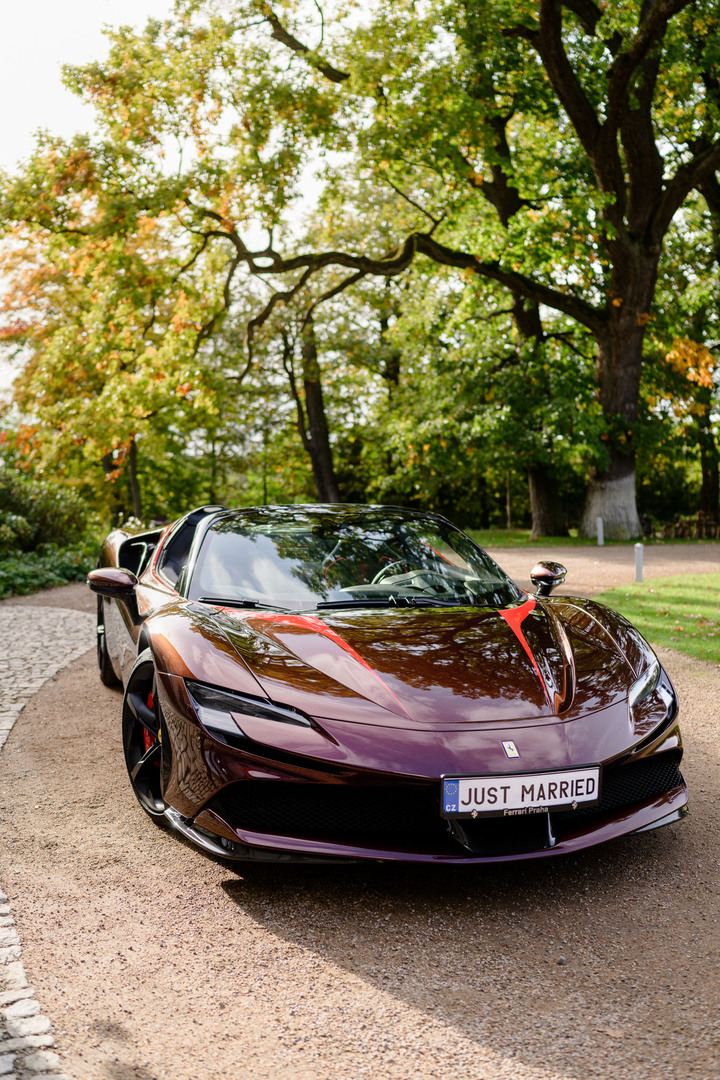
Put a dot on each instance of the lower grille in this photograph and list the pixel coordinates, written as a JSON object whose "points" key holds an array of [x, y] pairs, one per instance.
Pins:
{"points": [[397, 816], [333, 811], [626, 785]]}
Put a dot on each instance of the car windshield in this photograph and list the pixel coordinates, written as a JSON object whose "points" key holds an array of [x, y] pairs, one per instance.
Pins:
{"points": [[300, 558]]}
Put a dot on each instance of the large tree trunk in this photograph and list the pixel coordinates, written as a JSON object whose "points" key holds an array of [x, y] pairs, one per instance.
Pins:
{"points": [[547, 513], [611, 492], [390, 370], [316, 437], [710, 468], [117, 507], [213, 480], [133, 480], [611, 496]]}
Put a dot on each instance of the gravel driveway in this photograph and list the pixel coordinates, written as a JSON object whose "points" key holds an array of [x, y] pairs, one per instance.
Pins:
{"points": [[593, 569], [154, 961]]}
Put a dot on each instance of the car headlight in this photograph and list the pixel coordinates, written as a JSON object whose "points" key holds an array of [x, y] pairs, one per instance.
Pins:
{"points": [[221, 711], [645, 685]]}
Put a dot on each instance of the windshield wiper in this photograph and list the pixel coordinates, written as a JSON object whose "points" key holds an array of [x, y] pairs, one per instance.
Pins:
{"points": [[375, 601], [434, 601], [238, 601], [392, 601]]}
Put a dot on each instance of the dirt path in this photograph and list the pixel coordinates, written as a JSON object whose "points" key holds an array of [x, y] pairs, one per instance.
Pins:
{"points": [[155, 962]]}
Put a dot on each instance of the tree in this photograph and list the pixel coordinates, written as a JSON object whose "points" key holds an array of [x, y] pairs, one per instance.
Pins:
{"points": [[600, 103], [544, 146], [112, 370], [476, 398]]}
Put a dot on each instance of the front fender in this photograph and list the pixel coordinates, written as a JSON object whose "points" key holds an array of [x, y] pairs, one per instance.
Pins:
{"points": [[185, 642]]}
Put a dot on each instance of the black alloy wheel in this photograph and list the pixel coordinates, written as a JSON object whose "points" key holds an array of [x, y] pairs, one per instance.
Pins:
{"points": [[145, 737], [105, 665]]}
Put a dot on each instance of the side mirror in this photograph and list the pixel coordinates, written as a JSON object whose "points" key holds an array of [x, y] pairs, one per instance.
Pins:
{"points": [[112, 582], [545, 576]]}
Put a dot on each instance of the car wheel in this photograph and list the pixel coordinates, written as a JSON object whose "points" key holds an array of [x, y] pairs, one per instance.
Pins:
{"points": [[105, 666], [145, 737]]}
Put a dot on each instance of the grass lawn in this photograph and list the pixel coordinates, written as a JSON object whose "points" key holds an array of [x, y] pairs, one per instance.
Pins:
{"points": [[680, 613], [510, 538], [518, 538]]}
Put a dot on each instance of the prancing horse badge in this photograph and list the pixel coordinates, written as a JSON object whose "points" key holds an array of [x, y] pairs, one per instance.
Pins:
{"points": [[510, 749]]}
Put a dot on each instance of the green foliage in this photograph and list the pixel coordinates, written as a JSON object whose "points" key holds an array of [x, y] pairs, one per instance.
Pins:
{"points": [[680, 613], [679, 431], [471, 407], [35, 516], [48, 534], [138, 258], [27, 572]]}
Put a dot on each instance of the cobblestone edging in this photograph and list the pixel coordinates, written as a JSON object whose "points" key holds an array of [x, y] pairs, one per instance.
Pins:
{"points": [[35, 643]]}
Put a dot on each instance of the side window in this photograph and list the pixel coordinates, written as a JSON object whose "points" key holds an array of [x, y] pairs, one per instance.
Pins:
{"points": [[176, 551], [135, 553]]}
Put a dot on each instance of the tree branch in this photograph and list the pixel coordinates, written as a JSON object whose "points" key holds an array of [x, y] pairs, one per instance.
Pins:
{"points": [[587, 12], [277, 298], [207, 328], [527, 33], [391, 265], [549, 44], [287, 362], [692, 175], [412, 202], [286, 38], [344, 284], [59, 230], [710, 190], [193, 259], [500, 193], [642, 156], [322, 22], [400, 260], [600, 141], [653, 23]]}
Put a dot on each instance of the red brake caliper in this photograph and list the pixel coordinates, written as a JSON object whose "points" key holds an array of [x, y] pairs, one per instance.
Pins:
{"points": [[148, 735]]}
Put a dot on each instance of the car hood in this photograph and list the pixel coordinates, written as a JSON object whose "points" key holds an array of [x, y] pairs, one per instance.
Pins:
{"points": [[439, 667]]}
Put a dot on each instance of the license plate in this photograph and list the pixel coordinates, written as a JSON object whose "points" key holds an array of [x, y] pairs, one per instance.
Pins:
{"points": [[517, 794]]}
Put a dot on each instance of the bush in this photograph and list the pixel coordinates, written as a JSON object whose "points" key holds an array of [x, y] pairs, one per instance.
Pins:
{"points": [[35, 515], [26, 572]]}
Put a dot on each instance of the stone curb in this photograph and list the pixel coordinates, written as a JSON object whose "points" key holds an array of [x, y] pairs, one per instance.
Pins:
{"points": [[35, 644]]}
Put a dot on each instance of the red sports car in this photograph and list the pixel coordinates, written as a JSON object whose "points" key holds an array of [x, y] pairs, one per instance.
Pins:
{"points": [[364, 682]]}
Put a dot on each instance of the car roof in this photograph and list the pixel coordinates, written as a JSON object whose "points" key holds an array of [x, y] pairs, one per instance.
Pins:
{"points": [[339, 512]]}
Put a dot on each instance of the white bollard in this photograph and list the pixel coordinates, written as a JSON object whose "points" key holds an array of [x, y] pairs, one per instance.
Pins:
{"points": [[601, 533], [638, 562]]}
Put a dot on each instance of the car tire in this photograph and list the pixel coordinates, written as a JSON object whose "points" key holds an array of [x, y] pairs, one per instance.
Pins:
{"points": [[105, 665], [145, 740]]}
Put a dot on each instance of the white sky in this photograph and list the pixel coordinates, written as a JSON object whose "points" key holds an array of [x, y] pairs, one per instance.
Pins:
{"points": [[38, 37]]}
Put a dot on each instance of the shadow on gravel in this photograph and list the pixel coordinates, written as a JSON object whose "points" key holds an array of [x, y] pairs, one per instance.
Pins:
{"points": [[516, 958]]}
